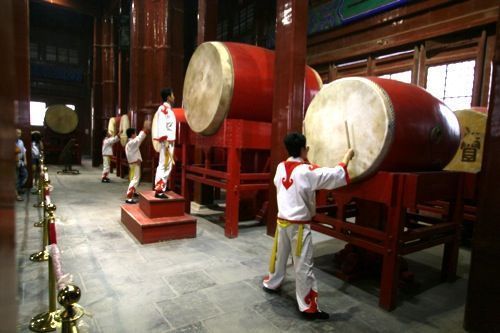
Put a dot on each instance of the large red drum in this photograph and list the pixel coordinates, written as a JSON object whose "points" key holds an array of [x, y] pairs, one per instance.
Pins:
{"points": [[236, 81], [391, 126]]}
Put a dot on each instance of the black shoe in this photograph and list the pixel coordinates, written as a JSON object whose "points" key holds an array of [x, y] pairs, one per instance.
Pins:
{"points": [[270, 291], [161, 195], [105, 180], [130, 201], [319, 315]]}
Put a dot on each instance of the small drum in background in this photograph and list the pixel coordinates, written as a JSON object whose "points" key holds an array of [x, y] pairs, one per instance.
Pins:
{"points": [[469, 156], [124, 126], [119, 124], [112, 125], [61, 119], [179, 117], [392, 126], [234, 81]]}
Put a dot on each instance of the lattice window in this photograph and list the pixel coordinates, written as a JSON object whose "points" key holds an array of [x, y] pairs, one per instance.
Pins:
{"points": [[73, 57], [452, 83], [34, 51], [51, 53], [400, 76]]}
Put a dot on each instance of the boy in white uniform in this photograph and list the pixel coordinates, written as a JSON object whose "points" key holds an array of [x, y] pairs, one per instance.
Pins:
{"points": [[107, 152], [134, 158], [166, 130], [296, 182]]}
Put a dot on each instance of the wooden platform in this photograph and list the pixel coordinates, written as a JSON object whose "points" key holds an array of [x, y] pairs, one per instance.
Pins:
{"points": [[154, 207], [153, 220]]}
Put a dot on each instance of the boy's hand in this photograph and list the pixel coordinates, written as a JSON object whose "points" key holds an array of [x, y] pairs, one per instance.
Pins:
{"points": [[348, 156], [147, 125]]}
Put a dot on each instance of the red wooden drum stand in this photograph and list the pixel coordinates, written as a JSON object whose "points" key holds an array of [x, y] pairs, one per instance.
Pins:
{"points": [[234, 137], [398, 232]]}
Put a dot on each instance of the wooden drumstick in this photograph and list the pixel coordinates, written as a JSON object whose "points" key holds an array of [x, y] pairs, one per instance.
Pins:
{"points": [[347, 134]]}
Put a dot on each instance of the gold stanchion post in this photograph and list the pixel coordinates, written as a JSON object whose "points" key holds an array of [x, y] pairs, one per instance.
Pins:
{"points": [[68, 298], [41, 198], [43, 179], [46, 322], [43, 255]]}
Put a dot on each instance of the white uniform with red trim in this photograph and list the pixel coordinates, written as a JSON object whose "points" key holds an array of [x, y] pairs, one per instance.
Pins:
{"points": [[134, 159], [296, 183], [166, 129], [107, 152]]}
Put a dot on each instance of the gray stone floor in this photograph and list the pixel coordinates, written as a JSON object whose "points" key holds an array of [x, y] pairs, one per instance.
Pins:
{"points": [[210, 283]]}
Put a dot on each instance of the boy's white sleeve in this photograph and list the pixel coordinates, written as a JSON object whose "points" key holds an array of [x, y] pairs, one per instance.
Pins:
{"points": [[328, 178], [137, 140], [141, 137]]}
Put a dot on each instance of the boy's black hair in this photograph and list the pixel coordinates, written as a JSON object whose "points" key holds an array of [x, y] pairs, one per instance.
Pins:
{"points": [[294, 142], [36, 136], [130, 132], [165, 92]]}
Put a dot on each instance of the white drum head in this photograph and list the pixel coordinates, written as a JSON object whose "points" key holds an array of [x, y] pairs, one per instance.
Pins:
{"points": [[154, 132], [370, 117], [208, 87], [469, 155], [61, 119], [112, 126], [124, 126]]}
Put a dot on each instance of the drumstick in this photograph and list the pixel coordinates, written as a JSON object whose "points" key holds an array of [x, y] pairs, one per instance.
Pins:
{"points": [[347, 134]]}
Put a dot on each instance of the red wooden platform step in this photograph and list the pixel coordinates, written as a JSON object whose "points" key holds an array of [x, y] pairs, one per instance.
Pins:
{"points": [[154, 220]]}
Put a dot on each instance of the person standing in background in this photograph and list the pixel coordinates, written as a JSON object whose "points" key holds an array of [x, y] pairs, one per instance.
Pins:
{"points": [[107, 152], [166, 131], [134, 158], [36, 152], [21, 171]]}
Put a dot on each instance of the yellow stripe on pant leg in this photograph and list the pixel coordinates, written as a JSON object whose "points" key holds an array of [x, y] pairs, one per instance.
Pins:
{"points": [[272, 261], [130, 172], [298, 250]]}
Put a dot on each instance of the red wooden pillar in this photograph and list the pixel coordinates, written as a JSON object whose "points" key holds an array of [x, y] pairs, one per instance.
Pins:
{"points": [[483, 296], [14, 99], [288, 104], [156, 61], [21, 21], [104, 89], [207, 20]]}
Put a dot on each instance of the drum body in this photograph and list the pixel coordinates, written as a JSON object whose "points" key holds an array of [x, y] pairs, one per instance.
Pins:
{"points": [[392, 126], [235, 81], [61, 119], [469, 156]]}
